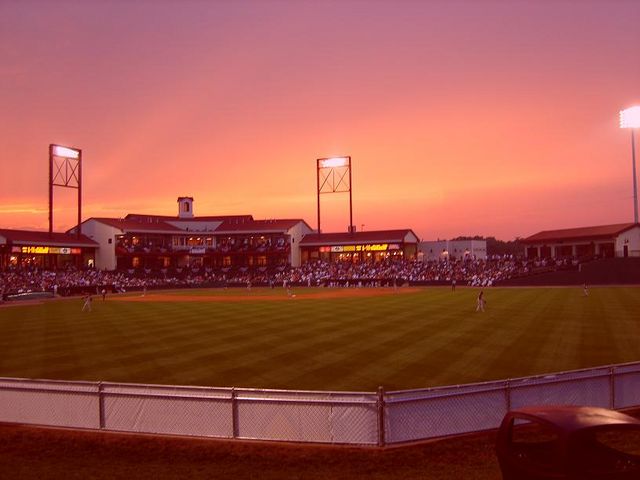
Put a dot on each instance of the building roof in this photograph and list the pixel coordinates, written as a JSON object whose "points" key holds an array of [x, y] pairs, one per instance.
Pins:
{"points": [[582, 233], [158, 226], [141, 217], [259, 226], [345, 238], [57, 239], [231, 224]]}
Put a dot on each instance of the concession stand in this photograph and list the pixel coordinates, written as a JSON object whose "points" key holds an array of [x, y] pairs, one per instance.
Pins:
{"points": [[356, 247], [25, 248]]}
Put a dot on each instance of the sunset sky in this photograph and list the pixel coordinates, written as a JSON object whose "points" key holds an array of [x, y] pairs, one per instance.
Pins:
{"points": [[461, 117]]}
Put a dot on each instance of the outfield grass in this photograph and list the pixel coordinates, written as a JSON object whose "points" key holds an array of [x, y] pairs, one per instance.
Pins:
{"points": [[400, 341]]}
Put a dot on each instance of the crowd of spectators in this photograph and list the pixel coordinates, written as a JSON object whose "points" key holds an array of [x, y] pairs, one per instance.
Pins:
{"points": [[230, 245], [470, 272]]}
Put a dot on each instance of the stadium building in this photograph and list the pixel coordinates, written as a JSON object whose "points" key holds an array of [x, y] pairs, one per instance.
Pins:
{"points": [[45, 250], [158, 241], [604, 241]]}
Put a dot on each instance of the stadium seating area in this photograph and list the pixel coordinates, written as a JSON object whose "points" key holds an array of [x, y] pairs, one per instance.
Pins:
{"points": [[465, 272]]}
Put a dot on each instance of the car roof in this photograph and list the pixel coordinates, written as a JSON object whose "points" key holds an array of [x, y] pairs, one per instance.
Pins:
{"points": [[573, 418]]}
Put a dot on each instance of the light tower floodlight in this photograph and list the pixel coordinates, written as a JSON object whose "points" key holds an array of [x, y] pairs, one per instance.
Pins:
{"points": [[333, 162], [66, 152], [630, 118], [65, 170], [333, 175]]}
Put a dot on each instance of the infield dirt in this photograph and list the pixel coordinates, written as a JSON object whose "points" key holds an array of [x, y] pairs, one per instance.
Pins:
{"points": [[250, 296]]}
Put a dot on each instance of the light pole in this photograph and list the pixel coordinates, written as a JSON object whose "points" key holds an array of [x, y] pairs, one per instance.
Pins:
{"points": [[630, 118], [333, 175], [65, 170]]}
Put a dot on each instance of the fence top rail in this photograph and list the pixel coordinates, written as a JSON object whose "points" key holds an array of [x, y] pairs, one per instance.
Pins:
{"points": [[269, 391], [238, 390], [551, 379], [46, 380], [81, 386], [511, 381], [166, 395], [626, 367], [326, 401], [48, 385], [479, 386], [417, 395], [148, 386]]}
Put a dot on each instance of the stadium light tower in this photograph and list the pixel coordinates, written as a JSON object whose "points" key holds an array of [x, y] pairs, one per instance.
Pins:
{"points": [[65, 170], [630, 118], [333, 175]]}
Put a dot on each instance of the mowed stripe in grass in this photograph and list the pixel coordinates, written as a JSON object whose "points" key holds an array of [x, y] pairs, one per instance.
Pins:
{"points": [[404, 340]]}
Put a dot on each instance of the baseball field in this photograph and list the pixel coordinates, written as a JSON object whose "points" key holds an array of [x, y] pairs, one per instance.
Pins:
{"points": [[327, 339], [321, 339]]}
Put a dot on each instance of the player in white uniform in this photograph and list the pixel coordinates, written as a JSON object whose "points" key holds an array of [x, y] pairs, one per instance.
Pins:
{"points": [[480, 302]]}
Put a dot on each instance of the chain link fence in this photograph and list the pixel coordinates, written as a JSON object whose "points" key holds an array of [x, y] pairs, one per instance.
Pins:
{"points": [[356, 418], [49, 402], [325, 417], [198, 411], [419, 414]]}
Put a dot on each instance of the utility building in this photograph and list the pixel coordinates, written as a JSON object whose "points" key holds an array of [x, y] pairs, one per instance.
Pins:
{"points": [[604, 241]]}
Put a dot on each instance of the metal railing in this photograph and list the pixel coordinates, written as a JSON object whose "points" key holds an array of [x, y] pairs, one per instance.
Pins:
{"points": [[358, 418]]}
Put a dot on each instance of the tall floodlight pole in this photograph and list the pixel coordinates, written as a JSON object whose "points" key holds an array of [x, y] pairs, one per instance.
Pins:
{"points": [[65, 170], [333, 175], [630, 118]]}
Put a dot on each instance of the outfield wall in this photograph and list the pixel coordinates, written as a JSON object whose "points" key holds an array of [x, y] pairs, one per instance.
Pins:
{"points": [[356, 418]]}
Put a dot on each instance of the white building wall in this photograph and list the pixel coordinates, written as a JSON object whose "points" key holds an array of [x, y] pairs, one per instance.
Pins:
{"points": [[433, 250], [298, 231], [476, 248], [442, 249], [479, 249], [630, 238], [101, 233]]}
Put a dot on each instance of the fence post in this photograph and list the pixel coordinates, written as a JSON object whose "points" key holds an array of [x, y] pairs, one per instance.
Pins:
{"points": [[612, 389], [234, 413], [507, 394], [101, 406], [380, 402]]}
